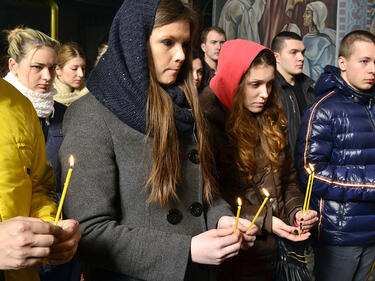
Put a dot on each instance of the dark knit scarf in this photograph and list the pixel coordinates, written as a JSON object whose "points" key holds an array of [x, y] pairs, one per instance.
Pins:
{"points": [[120, 81]]}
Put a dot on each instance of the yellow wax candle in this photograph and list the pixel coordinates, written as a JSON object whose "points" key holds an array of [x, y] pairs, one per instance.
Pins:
{"points": [[261, 207], [238, 213], [307, 191], [371, 270], [311, 185], [71, 161]]}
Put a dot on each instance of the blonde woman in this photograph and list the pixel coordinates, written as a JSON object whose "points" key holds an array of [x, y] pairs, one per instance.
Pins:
{"points": [[32, 63], [30, 179], [70, 70]]}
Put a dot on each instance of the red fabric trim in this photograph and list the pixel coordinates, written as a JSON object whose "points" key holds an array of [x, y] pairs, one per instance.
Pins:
{"points": [[235, 59]]}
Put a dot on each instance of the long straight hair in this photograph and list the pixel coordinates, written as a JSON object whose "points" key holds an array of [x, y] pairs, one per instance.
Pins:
{"points": [[247, 130], [166, 173]]}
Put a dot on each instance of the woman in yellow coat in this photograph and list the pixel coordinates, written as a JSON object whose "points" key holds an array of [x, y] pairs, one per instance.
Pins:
{"points": [[27, 183]]}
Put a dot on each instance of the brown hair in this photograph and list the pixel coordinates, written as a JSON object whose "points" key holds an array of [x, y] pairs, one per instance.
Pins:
{"points": [[347, 43], [67, 52], [278, 42], [165, 173], [23, 39], [208, 30], [246, 130]]}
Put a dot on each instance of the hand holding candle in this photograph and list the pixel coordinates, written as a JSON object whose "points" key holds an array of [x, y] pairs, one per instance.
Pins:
{"points": [[71, 161], [261, 207], [238, 213]]}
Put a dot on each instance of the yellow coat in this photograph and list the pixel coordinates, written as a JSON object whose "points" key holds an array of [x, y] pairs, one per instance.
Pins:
{"points": [[26, 178]]}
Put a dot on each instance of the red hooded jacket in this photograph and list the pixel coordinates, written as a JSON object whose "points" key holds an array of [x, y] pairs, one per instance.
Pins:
{"points": [[235, 59]]}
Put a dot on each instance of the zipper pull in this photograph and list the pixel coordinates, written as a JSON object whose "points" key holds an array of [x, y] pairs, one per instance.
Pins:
{"points": [[370, 103]]}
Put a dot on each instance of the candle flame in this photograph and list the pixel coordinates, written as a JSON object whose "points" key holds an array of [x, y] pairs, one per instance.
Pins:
{"points": [[239, 201], [71, 161], [265, 191], [311, 167], [308, 170]]}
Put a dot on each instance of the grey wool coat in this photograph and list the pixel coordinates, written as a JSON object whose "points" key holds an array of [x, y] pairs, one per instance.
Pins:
{"points": [[123, 237]]}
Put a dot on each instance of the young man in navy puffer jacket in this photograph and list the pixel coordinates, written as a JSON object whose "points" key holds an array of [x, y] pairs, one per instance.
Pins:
{"points": [[337, 136]]}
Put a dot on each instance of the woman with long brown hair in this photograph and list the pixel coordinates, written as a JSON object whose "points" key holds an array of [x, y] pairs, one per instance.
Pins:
{"points": [[248, 133], [142, 187]]}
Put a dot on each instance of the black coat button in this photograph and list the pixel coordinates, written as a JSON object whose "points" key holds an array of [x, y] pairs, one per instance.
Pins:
{"points": [[196, 209], [193, 156], [174, 216]]}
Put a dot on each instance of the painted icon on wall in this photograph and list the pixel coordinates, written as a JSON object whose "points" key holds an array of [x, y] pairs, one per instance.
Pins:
{"points": [[240, 19], [319, 41], [372, 18], [261, 20]]}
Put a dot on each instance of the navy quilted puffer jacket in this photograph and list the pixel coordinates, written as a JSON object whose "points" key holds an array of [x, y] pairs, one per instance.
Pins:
{"points": [[337, 136]]}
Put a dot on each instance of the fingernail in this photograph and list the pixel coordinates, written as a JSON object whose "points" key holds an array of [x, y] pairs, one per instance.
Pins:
{"points": [[296, 231], [301, 219]]}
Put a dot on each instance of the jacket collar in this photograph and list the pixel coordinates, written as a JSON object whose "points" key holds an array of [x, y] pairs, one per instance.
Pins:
{"points": [[331, 80], [304, 80], [42, 102]]}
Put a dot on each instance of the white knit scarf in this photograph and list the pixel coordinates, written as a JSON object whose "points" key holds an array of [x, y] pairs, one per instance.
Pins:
{"points": [[42, 102]]}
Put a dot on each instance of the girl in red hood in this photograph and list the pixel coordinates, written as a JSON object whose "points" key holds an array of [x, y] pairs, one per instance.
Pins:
{"points": [[248, 134]]}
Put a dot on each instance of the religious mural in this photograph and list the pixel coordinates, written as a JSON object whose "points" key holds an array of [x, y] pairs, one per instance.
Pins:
{"points": [[321, 24], [372, 18]]}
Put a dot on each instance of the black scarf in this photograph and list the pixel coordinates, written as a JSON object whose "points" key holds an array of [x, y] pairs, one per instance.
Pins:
{"points": [[120, 81]]}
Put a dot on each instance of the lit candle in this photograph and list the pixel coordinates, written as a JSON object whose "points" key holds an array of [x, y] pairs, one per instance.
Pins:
{"points": [[238, 213], [261, 207], [311, 185], [308, 170], [71, 161]]}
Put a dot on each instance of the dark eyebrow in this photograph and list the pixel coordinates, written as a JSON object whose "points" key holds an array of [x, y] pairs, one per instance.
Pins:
{"points": [[260, 80], [171, 37], [42, 64], [167, 37]]}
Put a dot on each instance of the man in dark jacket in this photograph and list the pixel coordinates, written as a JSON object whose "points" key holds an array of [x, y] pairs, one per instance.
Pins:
{"points": [[296, 90], [212, 39], [338, 137]]}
